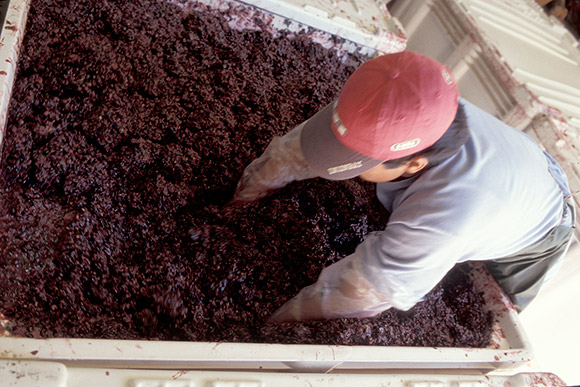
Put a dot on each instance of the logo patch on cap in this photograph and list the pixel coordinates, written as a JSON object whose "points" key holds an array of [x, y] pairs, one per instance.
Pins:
{"points": [[344, 167], [405, 145]]}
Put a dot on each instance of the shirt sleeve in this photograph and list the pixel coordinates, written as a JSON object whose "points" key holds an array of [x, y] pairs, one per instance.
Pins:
{"points": [[406, 261], [396, 267]]}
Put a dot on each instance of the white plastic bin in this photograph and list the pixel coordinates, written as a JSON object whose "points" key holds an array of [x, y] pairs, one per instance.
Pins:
{"points": [[509, 346], [51, 374]]}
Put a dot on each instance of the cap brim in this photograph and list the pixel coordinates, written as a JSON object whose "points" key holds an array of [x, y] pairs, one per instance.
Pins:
{"points": [[324, 152]]}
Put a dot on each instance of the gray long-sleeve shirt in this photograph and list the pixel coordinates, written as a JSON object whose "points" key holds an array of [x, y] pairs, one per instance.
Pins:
{"points": [[497, 195]]}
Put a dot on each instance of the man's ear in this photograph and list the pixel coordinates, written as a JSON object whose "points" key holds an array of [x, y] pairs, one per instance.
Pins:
{"points": [[416, 164]]}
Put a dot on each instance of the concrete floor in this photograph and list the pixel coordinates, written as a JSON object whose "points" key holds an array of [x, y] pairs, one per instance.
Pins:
{"points": [[551, 322]]}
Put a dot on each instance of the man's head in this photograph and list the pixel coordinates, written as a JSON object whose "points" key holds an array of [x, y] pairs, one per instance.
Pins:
{"points": [[391, 107], [449, 144]]}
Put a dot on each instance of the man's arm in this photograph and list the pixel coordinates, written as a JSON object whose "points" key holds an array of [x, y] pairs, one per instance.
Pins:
{"points": [[342, 290], [396, 267]]}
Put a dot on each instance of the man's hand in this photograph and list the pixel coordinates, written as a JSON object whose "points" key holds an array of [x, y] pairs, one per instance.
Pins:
{"points": [[341, 290], [248, 188], [281, 163], [306, 306]]}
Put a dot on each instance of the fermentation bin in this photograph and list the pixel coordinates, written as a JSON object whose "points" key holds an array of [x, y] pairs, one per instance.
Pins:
{"points": [[55, 360]]}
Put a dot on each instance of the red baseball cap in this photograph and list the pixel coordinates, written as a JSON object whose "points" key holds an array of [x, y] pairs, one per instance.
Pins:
{"points": [[391, 107]]}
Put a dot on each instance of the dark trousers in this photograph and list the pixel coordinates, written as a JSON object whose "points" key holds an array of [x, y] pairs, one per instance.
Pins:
{"points": [[522, 274]]}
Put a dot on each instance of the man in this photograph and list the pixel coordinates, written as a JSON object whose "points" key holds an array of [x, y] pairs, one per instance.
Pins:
{"points": [[460, 185]]}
